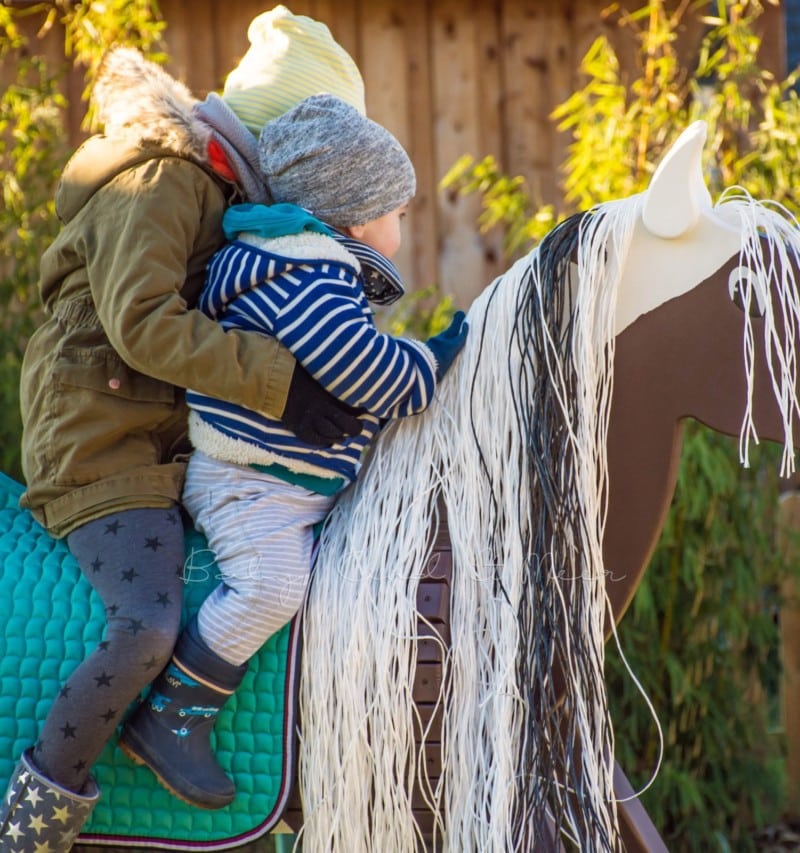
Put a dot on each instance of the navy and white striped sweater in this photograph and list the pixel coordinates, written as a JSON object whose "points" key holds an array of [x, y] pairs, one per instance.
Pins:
{"points": [[306, 291]]}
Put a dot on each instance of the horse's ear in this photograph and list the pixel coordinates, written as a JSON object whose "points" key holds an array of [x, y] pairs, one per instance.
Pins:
{"points": [[677, 193]]}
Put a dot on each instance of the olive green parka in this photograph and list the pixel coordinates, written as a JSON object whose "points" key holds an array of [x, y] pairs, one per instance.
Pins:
{"points": [[103, 378]]}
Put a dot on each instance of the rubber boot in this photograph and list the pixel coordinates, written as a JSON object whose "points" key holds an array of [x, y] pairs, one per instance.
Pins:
{"points": [[169, 732], [39, 815]]}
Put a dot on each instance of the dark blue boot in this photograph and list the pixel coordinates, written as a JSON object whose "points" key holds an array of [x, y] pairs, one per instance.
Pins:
{"points": [[169, 732]]}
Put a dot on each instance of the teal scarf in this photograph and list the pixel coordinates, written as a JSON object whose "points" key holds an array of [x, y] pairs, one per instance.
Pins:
{"points": [[277, 220]]}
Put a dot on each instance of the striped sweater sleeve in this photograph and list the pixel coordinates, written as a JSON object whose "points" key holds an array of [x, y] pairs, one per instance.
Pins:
{"points": [[327, 324]]}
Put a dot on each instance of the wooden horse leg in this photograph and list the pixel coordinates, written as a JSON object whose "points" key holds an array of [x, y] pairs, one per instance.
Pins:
{"points": [[639, 834]]}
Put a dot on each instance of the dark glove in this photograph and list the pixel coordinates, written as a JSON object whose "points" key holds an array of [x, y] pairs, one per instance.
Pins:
{"points": [[447, 344], [314, 415]]}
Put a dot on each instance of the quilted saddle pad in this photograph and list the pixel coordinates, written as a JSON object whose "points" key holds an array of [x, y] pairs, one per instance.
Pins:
{"points": [[52, 618]]}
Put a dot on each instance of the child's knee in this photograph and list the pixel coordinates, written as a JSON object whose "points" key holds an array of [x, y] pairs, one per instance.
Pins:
{"points": [[274, 598], [153, 643], [279, 612], [160, 641], [287, 594]]}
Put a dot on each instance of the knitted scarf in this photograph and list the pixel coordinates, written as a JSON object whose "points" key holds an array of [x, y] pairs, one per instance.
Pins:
{"points": [[239, 145]]}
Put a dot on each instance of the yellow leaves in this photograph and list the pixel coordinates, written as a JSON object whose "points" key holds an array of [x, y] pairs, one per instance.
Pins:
{"points": [[600, 62], [620, 130], [504, 199], [91, 28], [419, 314]]}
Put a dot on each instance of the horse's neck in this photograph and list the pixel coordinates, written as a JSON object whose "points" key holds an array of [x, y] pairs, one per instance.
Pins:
{"points": [[683, 359], [643, 469], [644, 443]]}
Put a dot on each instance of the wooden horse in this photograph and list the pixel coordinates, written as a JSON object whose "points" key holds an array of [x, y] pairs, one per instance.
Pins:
{"points": [[451, 692], [554, 454]]}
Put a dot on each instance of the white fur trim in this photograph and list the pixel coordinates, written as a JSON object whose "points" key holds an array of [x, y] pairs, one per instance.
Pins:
{"points": [[217, 445], [136, 99], [306, 246]]}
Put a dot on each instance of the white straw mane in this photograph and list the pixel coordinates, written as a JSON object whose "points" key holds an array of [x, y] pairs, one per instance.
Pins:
{"points": [[514, 449], [768, 272]]}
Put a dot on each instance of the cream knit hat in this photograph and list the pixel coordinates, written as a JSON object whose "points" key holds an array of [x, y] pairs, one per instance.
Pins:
{"points": [[290, 57]]}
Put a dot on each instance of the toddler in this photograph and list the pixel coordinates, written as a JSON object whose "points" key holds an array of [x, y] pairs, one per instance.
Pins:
{"points": [[292, 271]]}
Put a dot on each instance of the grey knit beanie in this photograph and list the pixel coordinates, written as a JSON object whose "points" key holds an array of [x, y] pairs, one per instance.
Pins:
{"points": [[325, 156]]}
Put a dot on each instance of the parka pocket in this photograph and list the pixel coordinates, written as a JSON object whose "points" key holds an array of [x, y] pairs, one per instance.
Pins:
{"points": [[103, 371], [106, 417]]}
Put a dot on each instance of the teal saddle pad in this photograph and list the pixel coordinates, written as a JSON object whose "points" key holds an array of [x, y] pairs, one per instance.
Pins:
{"points": [[52, 619]]}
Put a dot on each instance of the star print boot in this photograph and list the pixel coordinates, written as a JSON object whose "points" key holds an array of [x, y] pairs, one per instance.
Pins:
{"points": [[169, 732], [39, 816]]}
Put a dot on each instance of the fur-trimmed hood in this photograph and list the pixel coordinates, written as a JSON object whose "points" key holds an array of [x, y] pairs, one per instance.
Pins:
{"points": [[137, 99], [145, 113]]}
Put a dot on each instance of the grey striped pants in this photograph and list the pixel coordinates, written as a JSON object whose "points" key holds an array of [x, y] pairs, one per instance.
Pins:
{"points": [[260, 530]]}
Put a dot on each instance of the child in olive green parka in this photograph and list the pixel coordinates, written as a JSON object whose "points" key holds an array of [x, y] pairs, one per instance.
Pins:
{"points": [[103, 379]]}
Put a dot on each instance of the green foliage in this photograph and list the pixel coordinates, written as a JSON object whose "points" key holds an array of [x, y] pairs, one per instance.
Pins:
{"points": [[33, 149], [702, 636], [91, 28], [701, 633], [420, 314]]}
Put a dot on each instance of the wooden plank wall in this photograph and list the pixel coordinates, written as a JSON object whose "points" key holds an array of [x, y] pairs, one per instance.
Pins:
{"points": [[448, 77]]}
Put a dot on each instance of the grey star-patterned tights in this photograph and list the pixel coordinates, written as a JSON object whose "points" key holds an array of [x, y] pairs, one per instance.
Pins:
{"points": [[134, 560]]}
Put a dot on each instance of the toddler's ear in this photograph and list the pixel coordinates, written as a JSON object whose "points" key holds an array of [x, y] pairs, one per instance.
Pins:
{"points": [[354, 231], [219, 162]]}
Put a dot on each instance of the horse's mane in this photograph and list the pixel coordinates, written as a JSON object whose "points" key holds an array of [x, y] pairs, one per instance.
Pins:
{"points": [[768, 259], [514, 449]]}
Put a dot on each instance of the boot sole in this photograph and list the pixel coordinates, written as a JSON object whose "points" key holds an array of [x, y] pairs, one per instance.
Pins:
{"points": [[137, 758]]}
